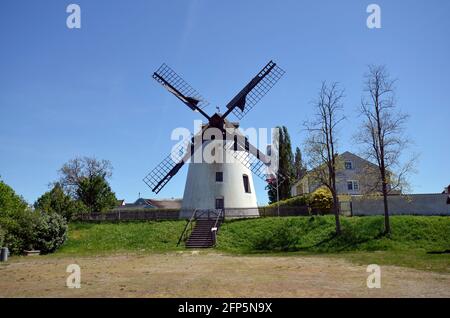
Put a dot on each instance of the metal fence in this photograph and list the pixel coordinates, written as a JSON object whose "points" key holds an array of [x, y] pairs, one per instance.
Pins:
{"points": [[267, 212], [132, 215], [416, 204], [174, 214]]}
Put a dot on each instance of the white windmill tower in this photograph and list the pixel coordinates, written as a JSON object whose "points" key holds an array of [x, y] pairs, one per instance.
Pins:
{"points": [[222, 158]]}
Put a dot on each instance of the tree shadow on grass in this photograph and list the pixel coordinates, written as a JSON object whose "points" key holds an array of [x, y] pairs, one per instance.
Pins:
{"points": [[351, 242], [291, 237], [439, 252]]}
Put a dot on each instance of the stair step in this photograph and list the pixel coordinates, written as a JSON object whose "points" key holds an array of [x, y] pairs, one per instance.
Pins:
{"points": [[200, 239], [201, 236]]}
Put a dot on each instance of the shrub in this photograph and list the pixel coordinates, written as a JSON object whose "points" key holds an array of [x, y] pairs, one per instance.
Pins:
{"points": [[24, 228], [19, 230], [321, 201], [301, 200], [50, 232], [34, 230]]}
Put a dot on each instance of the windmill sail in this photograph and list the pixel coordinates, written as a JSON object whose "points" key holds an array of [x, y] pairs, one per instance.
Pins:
{"points": [[252, 93], [166, 169], [169, 167], [180, 88]]}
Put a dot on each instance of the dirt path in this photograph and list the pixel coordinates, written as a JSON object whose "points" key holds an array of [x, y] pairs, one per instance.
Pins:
{"points": [[193, 274]]}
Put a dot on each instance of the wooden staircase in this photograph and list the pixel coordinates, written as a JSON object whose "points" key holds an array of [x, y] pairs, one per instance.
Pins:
{"points": [[202, 236]]}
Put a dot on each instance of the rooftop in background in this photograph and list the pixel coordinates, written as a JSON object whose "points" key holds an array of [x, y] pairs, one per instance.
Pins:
{"points": [[142, 203]]}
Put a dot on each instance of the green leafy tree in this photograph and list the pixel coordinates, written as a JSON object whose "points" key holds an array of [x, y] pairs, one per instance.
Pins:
{"points": [[299, 167], [96, 194], [16, 220], [285, 168], [86, 181], [56, 201], [10, 202], [76, 170]]}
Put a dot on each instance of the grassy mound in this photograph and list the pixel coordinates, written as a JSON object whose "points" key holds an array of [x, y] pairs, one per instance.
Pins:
{"points": [[89, 238], [316, 234], [361, 241]]}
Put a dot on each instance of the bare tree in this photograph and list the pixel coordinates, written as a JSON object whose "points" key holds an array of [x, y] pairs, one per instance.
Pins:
{"points": [[321, 143], [382, 134], [76, 170]]}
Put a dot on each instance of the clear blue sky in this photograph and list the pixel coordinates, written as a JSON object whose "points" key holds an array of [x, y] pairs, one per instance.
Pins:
{"points": [[89, 92]]}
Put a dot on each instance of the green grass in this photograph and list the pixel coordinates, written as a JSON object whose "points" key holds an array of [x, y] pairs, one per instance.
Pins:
{"points": [[413, 237], [94, 238], [316, 234]]}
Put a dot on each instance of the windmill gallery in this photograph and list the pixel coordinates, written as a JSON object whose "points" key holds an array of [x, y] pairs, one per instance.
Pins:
{"points": [[215, 186]]}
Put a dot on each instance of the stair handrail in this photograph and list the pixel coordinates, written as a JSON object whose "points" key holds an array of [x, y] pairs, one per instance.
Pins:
{"points": [[215, 226], [186, 226], [218, 217]]}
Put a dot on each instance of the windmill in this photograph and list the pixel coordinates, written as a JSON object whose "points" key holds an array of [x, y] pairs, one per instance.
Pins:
{"points": [[217, 185]]}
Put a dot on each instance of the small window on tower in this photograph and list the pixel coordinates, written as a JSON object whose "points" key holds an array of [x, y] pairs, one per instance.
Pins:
{"points": [[246, 183], [219, 176]]}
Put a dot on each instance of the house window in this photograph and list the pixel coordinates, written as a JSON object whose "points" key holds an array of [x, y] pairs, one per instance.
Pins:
{"points": [[348, 165], [219, 176], [246, 183], [219, 203], [353, 185]]}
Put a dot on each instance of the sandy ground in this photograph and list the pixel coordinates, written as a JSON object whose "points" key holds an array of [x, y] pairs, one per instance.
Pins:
{"points": [[194, 274]]}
